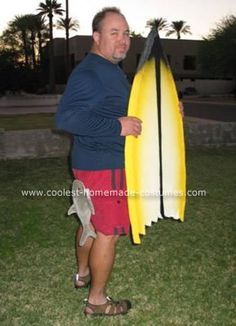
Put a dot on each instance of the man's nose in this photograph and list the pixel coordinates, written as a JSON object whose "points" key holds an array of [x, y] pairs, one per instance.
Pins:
{"points": [[123, 38]]}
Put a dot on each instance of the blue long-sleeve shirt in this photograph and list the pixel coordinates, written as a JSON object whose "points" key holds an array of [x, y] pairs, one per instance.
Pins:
{"points": [[96, 96]]}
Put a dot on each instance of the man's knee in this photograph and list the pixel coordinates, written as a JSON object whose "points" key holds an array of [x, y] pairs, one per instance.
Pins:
{"points": [[112, 239]]}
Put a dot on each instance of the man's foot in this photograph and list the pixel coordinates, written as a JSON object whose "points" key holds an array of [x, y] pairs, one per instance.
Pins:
{"points": [[109, 308], [81, 282]]}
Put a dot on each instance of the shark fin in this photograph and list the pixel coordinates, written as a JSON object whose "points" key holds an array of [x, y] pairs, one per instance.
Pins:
{"points": [[71, 210]]}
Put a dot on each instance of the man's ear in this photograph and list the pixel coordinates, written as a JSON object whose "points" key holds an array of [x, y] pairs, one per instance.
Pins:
{"points": [[96, 37]]}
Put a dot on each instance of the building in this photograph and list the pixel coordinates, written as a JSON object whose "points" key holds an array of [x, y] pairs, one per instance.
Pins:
{"points": [[182, 56]]}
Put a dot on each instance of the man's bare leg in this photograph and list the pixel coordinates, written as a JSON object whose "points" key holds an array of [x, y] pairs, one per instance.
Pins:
{"points": [[82, 255], [101, 261]]}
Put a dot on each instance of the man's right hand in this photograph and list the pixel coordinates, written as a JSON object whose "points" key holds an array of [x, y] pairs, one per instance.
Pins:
{"points": [[130, 126]]}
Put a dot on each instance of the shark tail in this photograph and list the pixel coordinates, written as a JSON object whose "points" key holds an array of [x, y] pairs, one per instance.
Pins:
{"points": [[87, 232]]}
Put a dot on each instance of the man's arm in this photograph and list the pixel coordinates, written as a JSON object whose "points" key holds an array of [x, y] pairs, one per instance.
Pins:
{"points": [[75, 113]]}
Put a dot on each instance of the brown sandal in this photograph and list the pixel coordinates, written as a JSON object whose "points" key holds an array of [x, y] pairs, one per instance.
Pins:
{"points": [[110, 308], [84, 279]]}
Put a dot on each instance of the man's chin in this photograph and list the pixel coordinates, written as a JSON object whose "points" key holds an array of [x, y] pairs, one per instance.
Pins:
{"points": [[119, 58]]}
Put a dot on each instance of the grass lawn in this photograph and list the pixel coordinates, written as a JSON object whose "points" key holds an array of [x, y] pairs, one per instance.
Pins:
{"points": [[27, 121], [182, 274]]}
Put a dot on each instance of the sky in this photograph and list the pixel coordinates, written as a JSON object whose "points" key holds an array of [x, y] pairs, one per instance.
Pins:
{"points": [[201, 15]]}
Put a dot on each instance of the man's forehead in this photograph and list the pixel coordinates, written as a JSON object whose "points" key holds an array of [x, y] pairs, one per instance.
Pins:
{"points": [[114, 21]]}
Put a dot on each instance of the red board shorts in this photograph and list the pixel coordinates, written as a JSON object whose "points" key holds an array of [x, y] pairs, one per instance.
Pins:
{"points": [[107, 190]]}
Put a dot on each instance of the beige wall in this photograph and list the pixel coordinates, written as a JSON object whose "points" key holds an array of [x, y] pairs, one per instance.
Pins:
{"points": [[175, 49]]}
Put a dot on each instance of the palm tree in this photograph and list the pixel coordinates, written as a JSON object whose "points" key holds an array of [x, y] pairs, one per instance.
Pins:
{"points": [[178, 28], [157, 24], [38, 31], [24, 36], [34, 26], [71, 24], [134, 34], [32, 29], [9, 40], [67, 40], [67, 24], [43, 36], [49, 9], [20, 26]]}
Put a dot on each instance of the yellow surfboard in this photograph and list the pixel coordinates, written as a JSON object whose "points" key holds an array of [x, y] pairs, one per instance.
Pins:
{"points": [[155, 161]]}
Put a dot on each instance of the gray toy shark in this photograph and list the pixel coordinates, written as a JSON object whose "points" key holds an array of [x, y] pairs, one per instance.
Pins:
{"points": [[83, 207]]}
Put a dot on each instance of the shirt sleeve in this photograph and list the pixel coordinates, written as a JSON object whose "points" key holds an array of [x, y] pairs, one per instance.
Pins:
{"points": [[76, 113]]}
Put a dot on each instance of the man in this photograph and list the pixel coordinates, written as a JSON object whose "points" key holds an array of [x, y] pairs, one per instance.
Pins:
{"points": [[93, 109]]}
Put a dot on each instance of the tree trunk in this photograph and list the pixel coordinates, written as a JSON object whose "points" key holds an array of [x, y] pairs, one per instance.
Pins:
{"points": [[33, 50], [67, 41], [25, 49], [51, 57], [40, 48]]}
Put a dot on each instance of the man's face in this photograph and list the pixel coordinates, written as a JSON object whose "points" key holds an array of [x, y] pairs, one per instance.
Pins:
{"points": [[112, 40]]}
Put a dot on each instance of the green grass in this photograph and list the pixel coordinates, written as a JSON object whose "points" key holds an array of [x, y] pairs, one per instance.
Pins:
{"points": [[27, 121], [182, 274], [38, 121]]}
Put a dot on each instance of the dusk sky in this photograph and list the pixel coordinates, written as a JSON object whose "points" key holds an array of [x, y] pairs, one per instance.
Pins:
{"points": [[201, 15]]}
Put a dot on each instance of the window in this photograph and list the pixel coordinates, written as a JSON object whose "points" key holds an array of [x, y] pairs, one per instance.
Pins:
{"points": [[189, 62]]}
